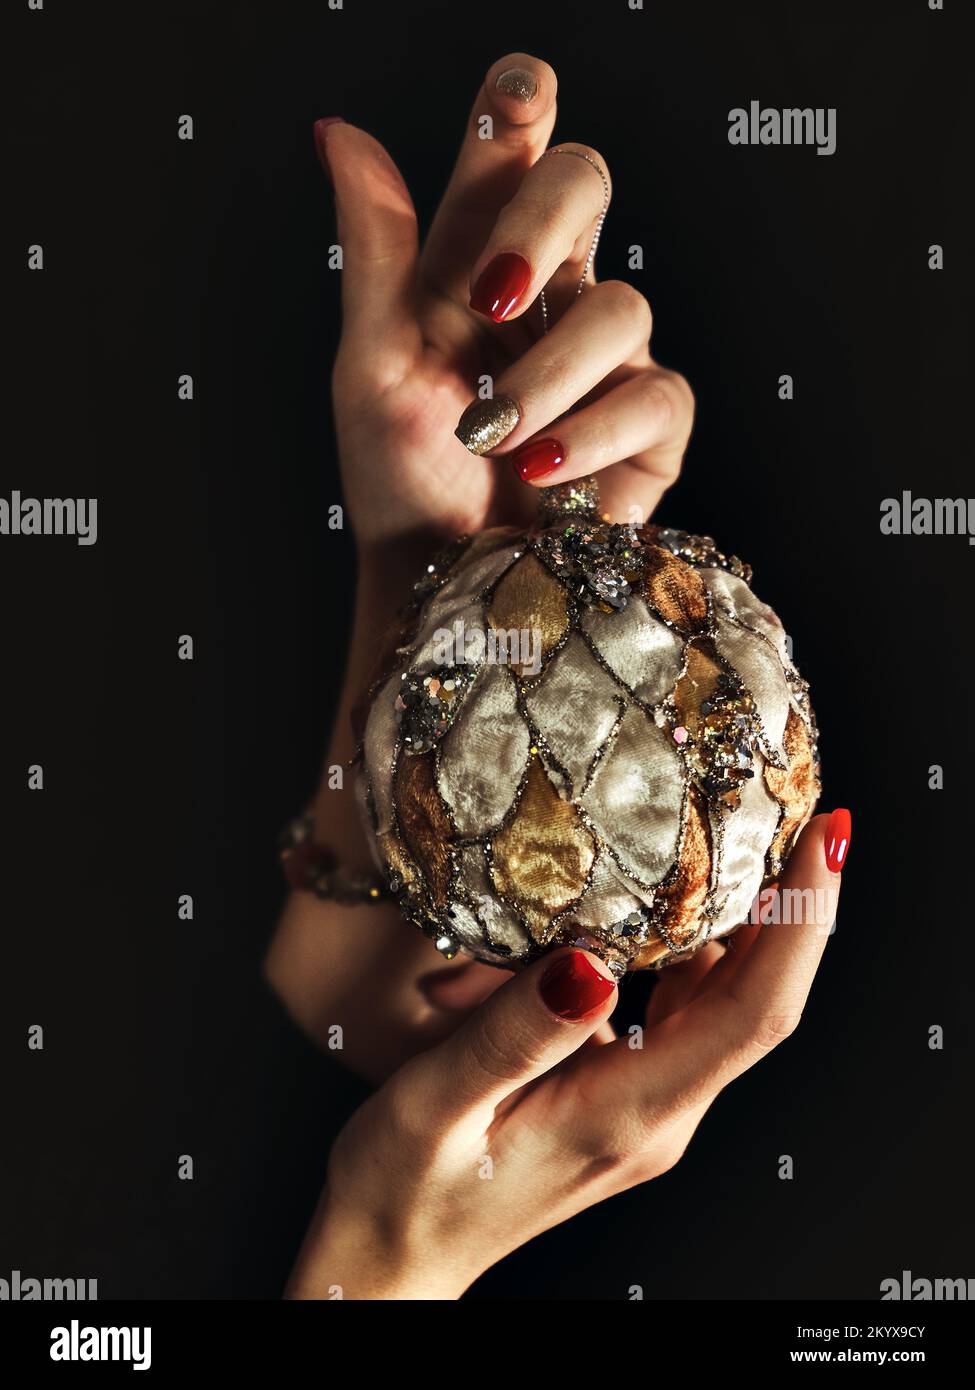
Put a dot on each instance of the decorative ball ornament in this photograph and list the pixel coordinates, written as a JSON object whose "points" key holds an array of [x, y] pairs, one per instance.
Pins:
{"points": [[586, 733]]}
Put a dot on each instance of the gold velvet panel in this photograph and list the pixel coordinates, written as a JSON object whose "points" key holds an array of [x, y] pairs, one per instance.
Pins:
{"points": [[684, 897], [423, 822], [529, 598], [543, 856], [796, 788], [393, 855], [654, 951], [698, 683], [675, 590]]}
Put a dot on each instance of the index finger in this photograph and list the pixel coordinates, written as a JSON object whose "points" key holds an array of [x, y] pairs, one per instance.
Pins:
{"points": [[508, 128]]}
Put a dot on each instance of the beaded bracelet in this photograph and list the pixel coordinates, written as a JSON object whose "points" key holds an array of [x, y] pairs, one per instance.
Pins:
{"points": [[312, 868]]}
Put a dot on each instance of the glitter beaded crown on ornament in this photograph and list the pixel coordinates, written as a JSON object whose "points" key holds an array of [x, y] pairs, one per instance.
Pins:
{"points": [[586, 733]]}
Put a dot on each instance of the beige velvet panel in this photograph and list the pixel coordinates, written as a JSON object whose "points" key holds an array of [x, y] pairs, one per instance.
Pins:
{"points": [[575, 708], [499, 925], [762, 673], [483, 755], [635, 798], [748, 833], [608, 899], [641, 650], [733, 596]]}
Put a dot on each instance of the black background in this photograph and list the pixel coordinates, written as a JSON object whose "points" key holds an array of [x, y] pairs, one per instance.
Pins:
{"points": [[165, 777]]}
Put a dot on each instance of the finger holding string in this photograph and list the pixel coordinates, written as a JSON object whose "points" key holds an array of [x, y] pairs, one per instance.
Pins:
{"points": [[544, 241], [585, 397], [508, 128]]}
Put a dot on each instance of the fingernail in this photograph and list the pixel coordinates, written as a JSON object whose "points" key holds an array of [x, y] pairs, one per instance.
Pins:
{"points": [[837, 841], [484, 424], [517, 82], [500, 285], [319, 130], [572, 986], [536, 458]]}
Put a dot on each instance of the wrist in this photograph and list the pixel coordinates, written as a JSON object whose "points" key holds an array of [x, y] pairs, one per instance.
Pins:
{"points": [[385, 576], [387, 570], [347, 1255]]}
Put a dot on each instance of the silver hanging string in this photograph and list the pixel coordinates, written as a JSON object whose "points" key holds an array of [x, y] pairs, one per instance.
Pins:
{"points": [[596, 235], [582, 494]]}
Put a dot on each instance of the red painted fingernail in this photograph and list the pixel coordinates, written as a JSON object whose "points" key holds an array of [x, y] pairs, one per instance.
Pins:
{"points": [[572, 986], [500, 285], [536, 458], [320, 128], [837, 841]]}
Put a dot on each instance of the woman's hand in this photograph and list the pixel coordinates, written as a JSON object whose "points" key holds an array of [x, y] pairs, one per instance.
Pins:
{"points": [[422, 332], [423, 329], [526, 1115]]}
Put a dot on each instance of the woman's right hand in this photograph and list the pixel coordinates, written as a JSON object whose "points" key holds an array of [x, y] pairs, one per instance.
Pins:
{"points": [[526, 1116], [424, 326], [417, 339]]}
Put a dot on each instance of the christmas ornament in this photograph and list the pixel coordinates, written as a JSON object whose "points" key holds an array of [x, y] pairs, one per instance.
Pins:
{"points": [[587, 733]]}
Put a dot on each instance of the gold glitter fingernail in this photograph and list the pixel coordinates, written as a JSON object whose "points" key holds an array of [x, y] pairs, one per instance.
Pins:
{"points": [[484, 424], [517, 82]]}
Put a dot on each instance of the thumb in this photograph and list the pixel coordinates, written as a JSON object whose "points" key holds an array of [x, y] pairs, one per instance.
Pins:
{"points": [[377, 232], [523, 1030]]}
